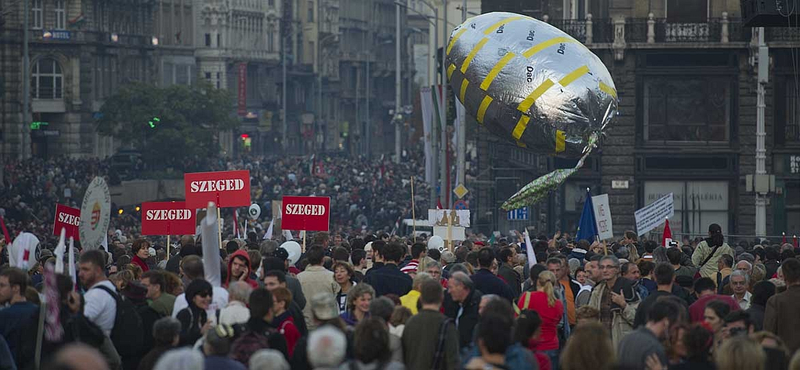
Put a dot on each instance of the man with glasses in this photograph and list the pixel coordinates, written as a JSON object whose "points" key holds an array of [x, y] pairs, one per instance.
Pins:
{"points": [[434, 269], [740, 282], [615, 299]]}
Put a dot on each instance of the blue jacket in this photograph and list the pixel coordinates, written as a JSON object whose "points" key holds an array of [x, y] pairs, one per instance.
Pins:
{"points": [[485, 281], [389, 280]]}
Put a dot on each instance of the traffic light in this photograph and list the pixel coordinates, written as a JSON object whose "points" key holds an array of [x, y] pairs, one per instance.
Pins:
{"points": [[153, 122]]}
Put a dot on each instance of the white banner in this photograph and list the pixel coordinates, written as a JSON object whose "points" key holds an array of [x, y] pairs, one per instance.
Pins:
{"points": [[450, 233], [442, 217], [426, 103], [602, 215], [648, 218]]}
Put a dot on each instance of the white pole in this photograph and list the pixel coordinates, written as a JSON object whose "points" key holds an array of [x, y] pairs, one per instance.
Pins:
{"points": [[761, 151], [443, 148], [461, 151]]}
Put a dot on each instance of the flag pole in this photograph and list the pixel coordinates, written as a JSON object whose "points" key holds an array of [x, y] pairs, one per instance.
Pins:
{"points": [[413, 212]]}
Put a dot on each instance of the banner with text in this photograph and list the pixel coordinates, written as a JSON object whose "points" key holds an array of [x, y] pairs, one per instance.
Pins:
{"points": [[602, 215], [648, 218], [167, 218], [306, 213], [69, 219], [225, 188]]}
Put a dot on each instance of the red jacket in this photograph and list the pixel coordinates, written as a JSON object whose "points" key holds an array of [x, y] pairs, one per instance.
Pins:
{"points": [[285, 325], [139, 262], [698, 309], [550, 316], [243, 254]]}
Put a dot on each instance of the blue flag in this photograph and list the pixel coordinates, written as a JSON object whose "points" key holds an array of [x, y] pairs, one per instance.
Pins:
{"points": [[587, 227]]}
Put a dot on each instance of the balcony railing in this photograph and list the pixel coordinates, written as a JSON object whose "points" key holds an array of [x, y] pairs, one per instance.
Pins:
{"points": [[587, 31], [783, 34], [658, 30]]}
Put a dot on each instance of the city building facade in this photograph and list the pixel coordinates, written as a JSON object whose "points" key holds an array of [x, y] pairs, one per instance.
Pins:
{"points": [[686, 76]]}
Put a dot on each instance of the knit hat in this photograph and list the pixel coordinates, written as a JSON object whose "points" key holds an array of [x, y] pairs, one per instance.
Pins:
{"points": [[324, 306]]}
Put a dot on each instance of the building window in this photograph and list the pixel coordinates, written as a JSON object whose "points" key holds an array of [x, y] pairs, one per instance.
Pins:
{"points": [[36, 13], [271, 38], [687, 11], [208, 76], [219, 40], [47, 82], [697, 204], [681, 109], [61, 15], [792, 110], [310, 11], [271, 3], [219, 80], [208, 40]]}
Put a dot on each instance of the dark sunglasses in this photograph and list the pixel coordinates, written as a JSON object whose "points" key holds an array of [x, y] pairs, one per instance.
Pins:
{"points": [[204, 294]]}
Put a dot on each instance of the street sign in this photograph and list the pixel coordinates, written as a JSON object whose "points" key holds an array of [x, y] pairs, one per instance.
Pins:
{"points": [[460, 191], [461, 204], [520, 214]]}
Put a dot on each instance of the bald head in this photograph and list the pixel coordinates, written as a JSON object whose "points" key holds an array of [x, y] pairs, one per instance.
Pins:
{"points": [[79, 357]]}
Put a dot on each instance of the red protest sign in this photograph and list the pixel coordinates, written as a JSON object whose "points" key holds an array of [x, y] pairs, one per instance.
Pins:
{"points": [[68, 218], [306, 213], [225, 188], [167, 218]]}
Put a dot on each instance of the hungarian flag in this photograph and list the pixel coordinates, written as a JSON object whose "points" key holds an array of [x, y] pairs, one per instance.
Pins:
{"points": [[667, 238]]}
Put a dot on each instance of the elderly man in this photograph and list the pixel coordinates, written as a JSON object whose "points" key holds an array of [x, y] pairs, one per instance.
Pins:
{"points": [[740, 283], [434, 269], [615, 299], [461, 303]]}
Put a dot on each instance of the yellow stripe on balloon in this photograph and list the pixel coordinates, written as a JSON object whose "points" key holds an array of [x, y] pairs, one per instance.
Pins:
{"points": [[546, 44], [463, 91], [539, 91], [522, 124], [561, 141], [574, 75], [473, 53], [500, 24], [496, 70], [608, 90], [450, 70], [484, 106], [454, 39]]}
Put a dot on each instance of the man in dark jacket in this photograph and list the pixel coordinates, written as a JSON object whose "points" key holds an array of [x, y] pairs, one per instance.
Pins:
{"points": [[781, 317], [389, 279], [461, 303], [506, 271], [426, 330], [485, 281]]}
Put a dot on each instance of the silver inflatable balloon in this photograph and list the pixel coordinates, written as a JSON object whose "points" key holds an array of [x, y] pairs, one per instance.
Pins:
{"points": [[532, 84]]}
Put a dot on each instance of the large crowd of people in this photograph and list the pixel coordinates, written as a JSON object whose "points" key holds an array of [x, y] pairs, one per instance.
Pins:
{"points": [[367, 196], [362, 297], [382, 302]]}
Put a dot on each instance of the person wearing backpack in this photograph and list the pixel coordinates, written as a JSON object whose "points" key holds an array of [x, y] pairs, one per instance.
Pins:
{"points": [[101, 304], [258, 333]]}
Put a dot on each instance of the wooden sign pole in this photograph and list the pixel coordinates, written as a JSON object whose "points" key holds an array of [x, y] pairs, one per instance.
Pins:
{"points": [[413, 212]]}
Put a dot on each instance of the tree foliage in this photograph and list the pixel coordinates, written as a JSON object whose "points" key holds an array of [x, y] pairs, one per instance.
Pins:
{"points": [[187, 120]]}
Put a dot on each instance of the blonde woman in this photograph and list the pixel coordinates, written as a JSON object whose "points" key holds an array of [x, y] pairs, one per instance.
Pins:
{"points": [[549, 308], [740, 353]]}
